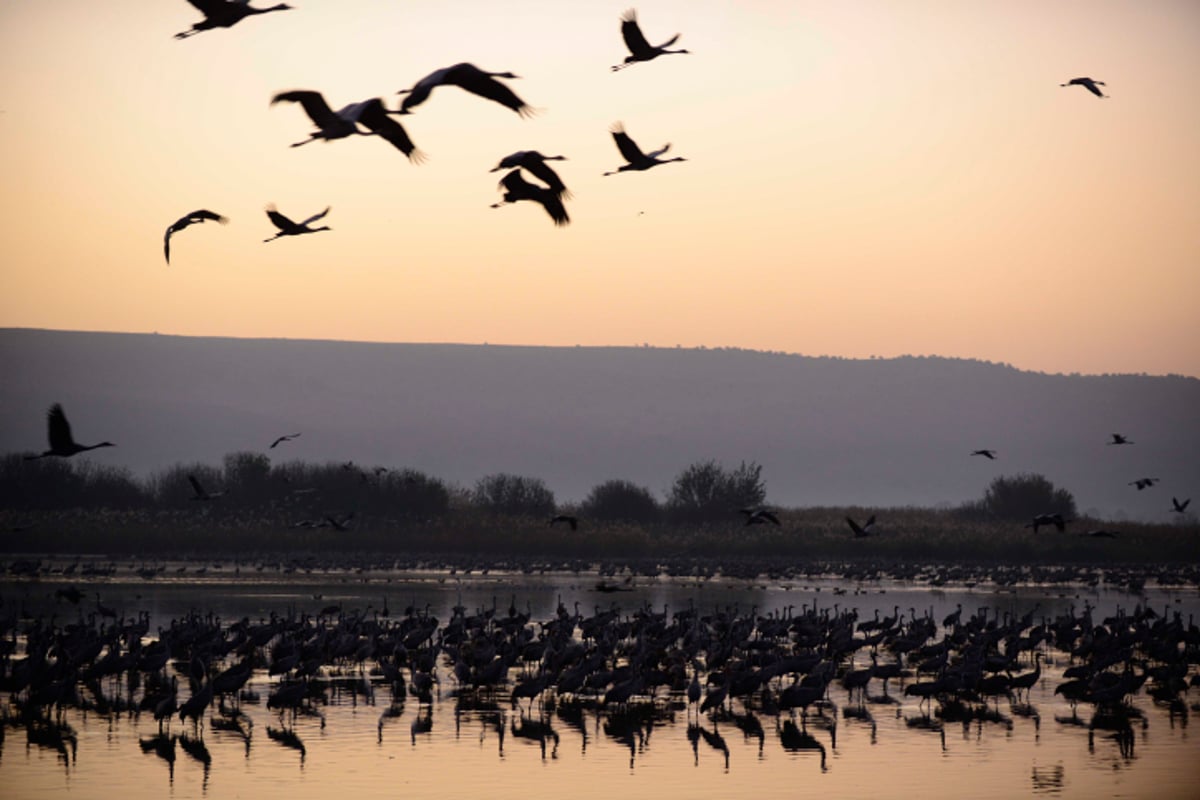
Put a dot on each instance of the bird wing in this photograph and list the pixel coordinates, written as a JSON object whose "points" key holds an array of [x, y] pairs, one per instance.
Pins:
{"points": [[511, 160], [629, 150], [854, 527], [281, 222], [631, 32], [203, 214], [316, 217], [208, 7], [314, 105], [167, 243], [660, 151], [196, 485], [476, 81], [1091, 86], [374, 116], [546, 174], [59, 430]]}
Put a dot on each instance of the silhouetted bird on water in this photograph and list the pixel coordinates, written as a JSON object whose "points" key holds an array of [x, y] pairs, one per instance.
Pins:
{"points": [[990, 455], [282, 439], [468, 77], [371, 114], [568, 519], [1144, 483], [861, 530], [1119, 439], [224, 14], [1048, 519], [61, 442], [639, 48], [534, 163], [289, 228], [517, 188], [1178, 506], [200, 493], [634, 155], [1087, 83], [183, 222]]}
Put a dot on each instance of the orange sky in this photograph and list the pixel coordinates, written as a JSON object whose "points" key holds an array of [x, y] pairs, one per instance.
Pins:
{"points": [[868, 178]]}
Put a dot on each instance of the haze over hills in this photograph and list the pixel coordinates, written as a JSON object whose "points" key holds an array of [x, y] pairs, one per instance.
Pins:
{"points": [[828, 431]]}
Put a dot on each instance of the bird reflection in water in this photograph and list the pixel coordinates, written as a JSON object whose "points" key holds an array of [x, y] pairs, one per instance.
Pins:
{"points": [[287, 738], [162, 746], [423, 723], [539, 731], [796, 740]]}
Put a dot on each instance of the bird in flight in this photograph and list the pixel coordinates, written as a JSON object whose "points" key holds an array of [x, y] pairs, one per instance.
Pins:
{"points": [[288, 228], [468, 77], [639, 48], [1119, 439], [990, 455], [535, 164], [1048, 519], [1178, 506], [282, 439], [861, 530], [61, 442], [759, 516], [637, 160], [371, 114], [1144, 483], [517, 188], [200, 493], [224, 14], [337, 524], [1087, 83], [567, 518], [196, 216]]}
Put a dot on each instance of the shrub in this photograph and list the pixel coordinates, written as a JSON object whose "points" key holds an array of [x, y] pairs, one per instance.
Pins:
{"points": [[707, 491], [620, 501], [515, 495], [1024, 496]]}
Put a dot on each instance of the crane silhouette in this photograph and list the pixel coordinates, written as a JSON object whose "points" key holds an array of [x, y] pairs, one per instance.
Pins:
{"points": [[990, 455], [637, 160], [471, 78], [1179, 507], [639, 48], [534, 163], [61, 442], [1056, 520], [285, 438], [288, 228], [225, 14], [864, 529], [200, 493], [371, 114], [1144, 483], [517, 188], [196, 216], [1087, 83], [1119, 439]]}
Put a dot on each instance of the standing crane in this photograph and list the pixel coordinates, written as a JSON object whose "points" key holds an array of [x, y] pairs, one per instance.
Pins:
{"points": [[224, 14], [637, 160], [639, 48], [196, 216], [288, 228], [371, 114], [468, 77]]}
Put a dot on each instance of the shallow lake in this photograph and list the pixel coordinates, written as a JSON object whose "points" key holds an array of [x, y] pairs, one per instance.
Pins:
{"points": [[358, 741]]}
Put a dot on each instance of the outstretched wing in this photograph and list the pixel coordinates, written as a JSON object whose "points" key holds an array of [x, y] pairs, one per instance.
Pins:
{"points": [[202, 214], [196, 487], [280, 221], [629, 150], [632, 34], [313, 103], [543, 172], [58, 429], [476, 81], [375, 118], [316, 217]]}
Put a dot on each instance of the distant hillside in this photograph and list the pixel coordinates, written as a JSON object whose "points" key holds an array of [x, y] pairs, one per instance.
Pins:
{"points": [[827, 431]]}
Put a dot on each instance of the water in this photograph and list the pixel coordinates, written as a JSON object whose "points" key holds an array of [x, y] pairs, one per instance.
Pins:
{"points": [[363, 744]]}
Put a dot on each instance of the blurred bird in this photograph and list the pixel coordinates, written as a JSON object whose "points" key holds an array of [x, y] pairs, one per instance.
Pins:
{"points": [[567, 518], [468, 77], [61, 442], [200, 493], [1119, 439], [861, 530], [288, 228], [282, 439], [1178, 506], [634, 155], [183, 222], [517, 189], [224, 14], [1087, 83], [1048, 519], [759, 516], [535, 163], [990, 455], [371, 114], [1144, 483], [639, 48]]}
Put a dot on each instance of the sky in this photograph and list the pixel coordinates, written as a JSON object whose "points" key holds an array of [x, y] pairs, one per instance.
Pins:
{"points": [[862, 179]]}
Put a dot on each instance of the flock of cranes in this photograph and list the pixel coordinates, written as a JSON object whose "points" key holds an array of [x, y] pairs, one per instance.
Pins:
{"points": [[373, 118]]}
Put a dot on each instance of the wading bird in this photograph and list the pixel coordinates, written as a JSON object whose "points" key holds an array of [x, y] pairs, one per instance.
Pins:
{"points": [[990, 455], [183, 222], [225, 14], [535, 163], [61, 442], [289, 228], [639, 48], [200, 493], [469, 77], [282, 439], [517, 188], [1119, 439], [634, 155], [1087, 83], [1144, 483], [1048, 519], [1178, 506], [371, 114], [862, 530]]}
